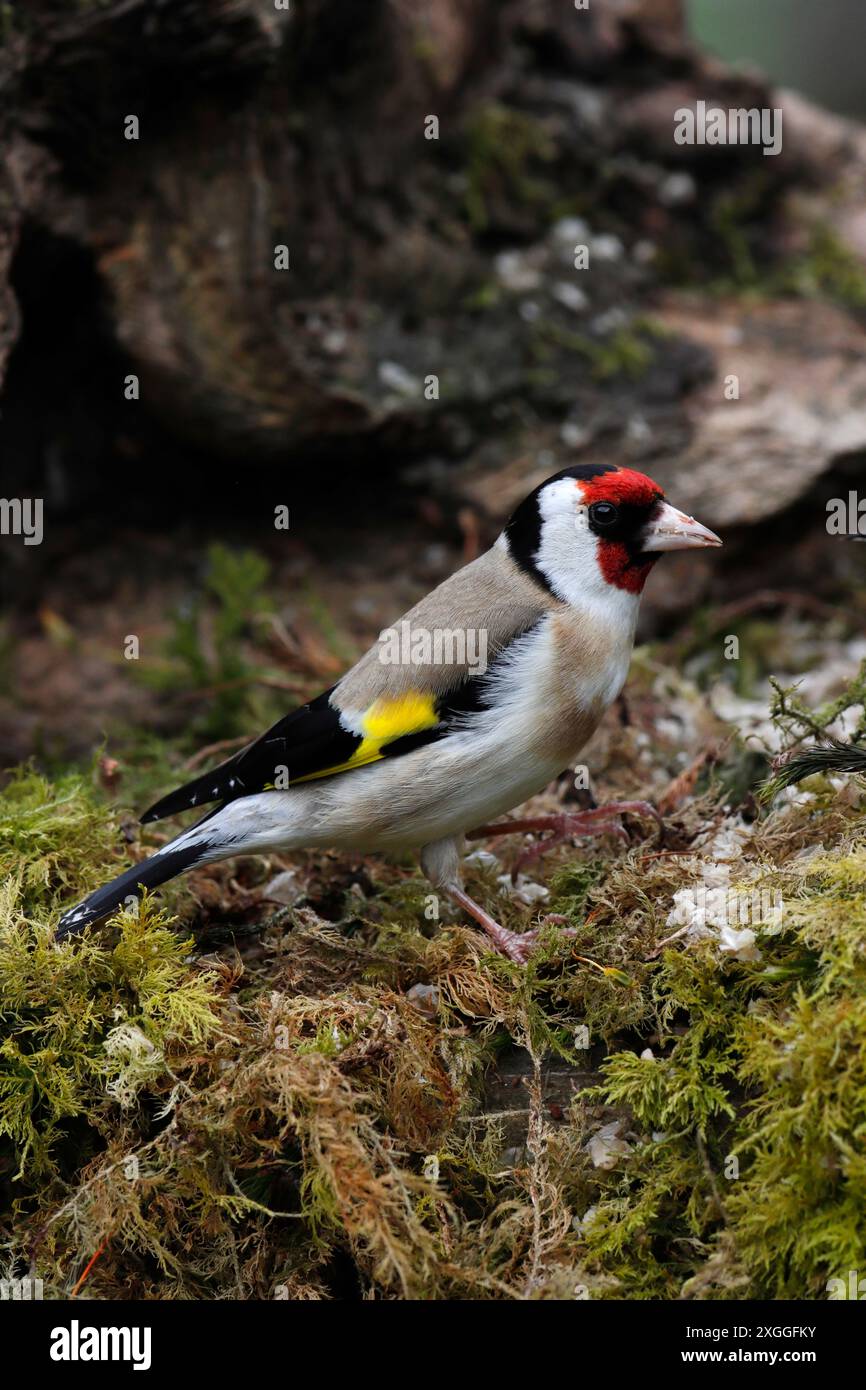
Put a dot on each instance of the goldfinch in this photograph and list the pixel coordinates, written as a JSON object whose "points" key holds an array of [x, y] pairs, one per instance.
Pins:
{"points": [[483, 693]]}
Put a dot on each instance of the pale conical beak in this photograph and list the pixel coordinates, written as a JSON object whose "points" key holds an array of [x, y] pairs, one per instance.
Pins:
{"points": [[673, 530]]}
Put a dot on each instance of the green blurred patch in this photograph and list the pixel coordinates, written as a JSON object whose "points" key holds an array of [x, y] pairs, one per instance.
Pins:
{"points": [[505, 151], [206, 650]]}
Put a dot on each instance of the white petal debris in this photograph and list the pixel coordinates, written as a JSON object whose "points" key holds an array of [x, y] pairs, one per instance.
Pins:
{"points": [[284, 888], [582, 1224], [524, 890], [726, 902], [517, 271], [740, 944], [607, 1147], [397, 379], [483, 859], [572, 296]]}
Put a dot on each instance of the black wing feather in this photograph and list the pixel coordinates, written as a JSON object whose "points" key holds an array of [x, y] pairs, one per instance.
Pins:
{"points": [[306, 741]]}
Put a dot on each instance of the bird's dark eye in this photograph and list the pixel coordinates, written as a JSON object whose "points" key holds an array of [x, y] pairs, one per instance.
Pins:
{"points": [[604, 514]]}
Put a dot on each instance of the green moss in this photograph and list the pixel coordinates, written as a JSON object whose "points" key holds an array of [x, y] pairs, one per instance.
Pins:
{"points": [[7, 22], [729, 223], [828, 269], [798, 721], [504, 147], [53, 836], [627, 352], [206, 650], [87, 1025], [757, 1107]]}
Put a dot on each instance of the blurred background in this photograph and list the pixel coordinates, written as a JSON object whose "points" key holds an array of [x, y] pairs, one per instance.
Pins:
{"points": [[813, 48], [423, 350]]}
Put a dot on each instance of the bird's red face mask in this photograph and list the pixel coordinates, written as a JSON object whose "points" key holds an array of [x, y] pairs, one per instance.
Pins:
{"points": [[633, 523]]}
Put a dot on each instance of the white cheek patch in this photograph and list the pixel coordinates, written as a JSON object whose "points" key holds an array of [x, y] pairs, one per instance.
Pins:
{"points": [[568, 557], [568, 551]]}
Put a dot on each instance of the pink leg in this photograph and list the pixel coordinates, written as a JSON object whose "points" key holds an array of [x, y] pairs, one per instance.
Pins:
{"points": [[517, 946], [602, 820]]}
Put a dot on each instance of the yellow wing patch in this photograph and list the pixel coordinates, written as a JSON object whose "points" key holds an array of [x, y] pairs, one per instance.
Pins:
{"points": [[387, 719]]}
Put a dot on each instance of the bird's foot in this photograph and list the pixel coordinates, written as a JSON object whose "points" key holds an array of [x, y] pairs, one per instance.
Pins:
{"points": [[601, 820], [517, 946]]}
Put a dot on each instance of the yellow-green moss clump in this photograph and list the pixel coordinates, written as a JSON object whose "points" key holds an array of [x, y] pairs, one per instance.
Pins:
{"points": [[290, 1116]]}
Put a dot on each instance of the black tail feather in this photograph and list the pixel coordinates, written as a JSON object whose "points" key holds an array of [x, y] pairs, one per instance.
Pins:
{"points": [[150, 873]]}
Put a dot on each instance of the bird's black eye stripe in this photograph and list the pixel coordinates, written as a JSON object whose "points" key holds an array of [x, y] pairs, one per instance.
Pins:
{"points": [[604, 514]]}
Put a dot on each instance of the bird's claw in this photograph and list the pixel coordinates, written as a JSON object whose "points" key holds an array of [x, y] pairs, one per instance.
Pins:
{"points": [[519, 946], [601, 820]]}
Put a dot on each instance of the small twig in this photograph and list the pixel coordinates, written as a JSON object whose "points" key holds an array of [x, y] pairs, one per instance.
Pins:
{"points": [[665, 854], [708, 1169], [684, 784], [659, 947], [272, 682], [775, 598], [221, 746], [88, 1267]]}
